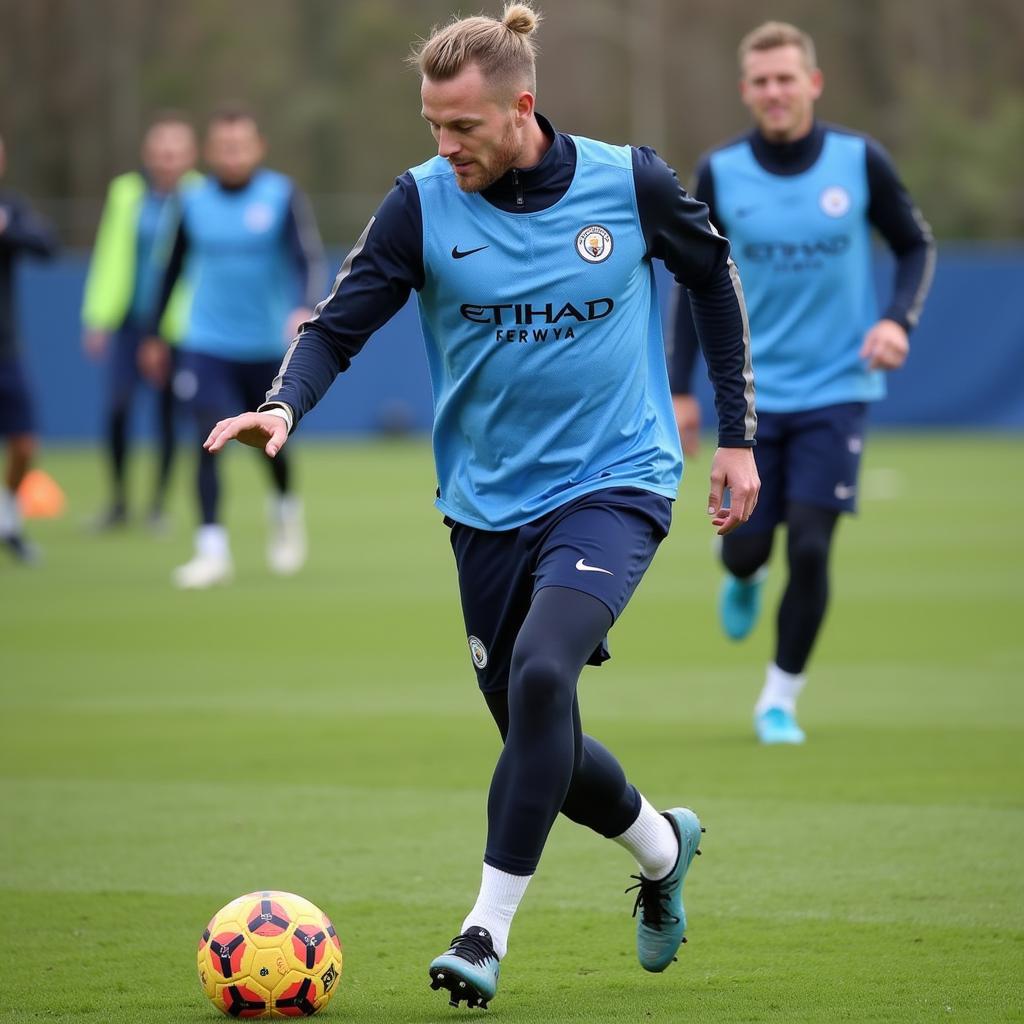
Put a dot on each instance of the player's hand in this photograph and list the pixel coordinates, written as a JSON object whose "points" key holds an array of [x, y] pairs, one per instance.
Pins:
{"points": [[687, 410], [95, 342], [154, 361], [256, 429], [886, 346], [733, 468]]}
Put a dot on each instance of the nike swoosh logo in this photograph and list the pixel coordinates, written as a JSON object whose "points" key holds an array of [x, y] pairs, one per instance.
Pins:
{"points": [[583, 567], [469, 252]]}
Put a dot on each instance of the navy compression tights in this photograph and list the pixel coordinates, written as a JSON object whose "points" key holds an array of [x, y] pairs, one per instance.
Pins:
{"points": [[809, 533], [547, 764]]}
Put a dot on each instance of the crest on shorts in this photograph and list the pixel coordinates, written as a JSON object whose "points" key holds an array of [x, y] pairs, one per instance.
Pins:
{"points": [[835, 201], [477, 652], [594, 243]]}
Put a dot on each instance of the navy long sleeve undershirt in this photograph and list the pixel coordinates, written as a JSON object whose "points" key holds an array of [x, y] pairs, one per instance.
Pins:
{"points": [[386, 264]]}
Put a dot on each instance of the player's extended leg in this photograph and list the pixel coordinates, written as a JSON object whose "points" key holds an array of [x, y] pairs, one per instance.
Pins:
{"points": [[801, 612], [21, 448], [601, 798], [530, 781], [123, 377], [209, 386], [166, 443]]}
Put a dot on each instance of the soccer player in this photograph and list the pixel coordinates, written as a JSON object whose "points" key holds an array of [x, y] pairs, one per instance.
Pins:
{"points": [[557, 458], [140, 217], [22, 231], [251, 253], [798, 200]]}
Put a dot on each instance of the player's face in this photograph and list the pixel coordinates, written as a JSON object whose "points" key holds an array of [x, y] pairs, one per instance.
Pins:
{"points": [[168, 151], [779, 89], [234, 149], [478, 132]]}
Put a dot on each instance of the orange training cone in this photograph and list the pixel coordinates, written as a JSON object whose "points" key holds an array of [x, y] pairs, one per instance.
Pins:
{"points": [[40, 496]]}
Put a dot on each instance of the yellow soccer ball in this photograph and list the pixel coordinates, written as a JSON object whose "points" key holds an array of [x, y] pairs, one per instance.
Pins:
{"points": [[269, 954]]}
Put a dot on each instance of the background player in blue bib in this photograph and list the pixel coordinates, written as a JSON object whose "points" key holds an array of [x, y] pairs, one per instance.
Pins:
{"points": [[798, 200], [248, 247], [557, 456]]}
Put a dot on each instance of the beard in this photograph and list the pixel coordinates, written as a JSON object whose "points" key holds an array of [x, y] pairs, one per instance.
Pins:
{"points": [[501, 161]]}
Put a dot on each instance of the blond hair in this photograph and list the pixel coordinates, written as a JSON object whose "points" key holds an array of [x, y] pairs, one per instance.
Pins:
{"points": [[773, 34], [503, 50]]}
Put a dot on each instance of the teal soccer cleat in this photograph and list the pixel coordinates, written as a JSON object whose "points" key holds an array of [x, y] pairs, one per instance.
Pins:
{"points": [[777, 725], [469, 970], [661, 927], [739, 604]]}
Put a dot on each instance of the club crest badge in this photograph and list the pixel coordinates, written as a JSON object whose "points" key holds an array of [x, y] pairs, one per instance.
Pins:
{"points": [[478, 652], [594, 243], [835, 201], [258, 217]]}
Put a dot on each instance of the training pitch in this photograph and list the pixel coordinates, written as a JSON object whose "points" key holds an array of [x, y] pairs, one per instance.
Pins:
{"points": [[163, 752]]}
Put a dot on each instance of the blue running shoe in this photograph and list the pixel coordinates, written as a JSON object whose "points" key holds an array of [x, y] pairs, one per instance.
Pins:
{"points": [[739, 604], [661, 927], [469, 970], [777, 725]]}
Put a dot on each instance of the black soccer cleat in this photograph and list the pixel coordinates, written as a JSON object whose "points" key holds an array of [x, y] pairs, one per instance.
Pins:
{"points": [[468, 970]]}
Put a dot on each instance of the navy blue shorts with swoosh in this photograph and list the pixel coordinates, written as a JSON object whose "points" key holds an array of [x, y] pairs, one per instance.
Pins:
{"points": [[600, 543]]}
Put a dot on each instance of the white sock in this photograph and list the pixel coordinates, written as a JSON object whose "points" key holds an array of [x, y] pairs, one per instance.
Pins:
{"points": [[212, 541], [10, 514], [496, 905], [652, 840], [780, 690]]}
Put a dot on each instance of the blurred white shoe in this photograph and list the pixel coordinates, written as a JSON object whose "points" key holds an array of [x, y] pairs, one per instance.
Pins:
{"points": [[203, 571], [211, 564], [286, 547]]}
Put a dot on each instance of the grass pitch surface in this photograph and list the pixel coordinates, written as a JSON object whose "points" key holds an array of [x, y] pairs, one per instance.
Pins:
{"points": [[163, 752]]}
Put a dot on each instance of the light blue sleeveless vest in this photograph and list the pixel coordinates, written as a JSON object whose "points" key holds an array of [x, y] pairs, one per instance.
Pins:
{"points": [[543, 339], [803, 247], [244, 283]]}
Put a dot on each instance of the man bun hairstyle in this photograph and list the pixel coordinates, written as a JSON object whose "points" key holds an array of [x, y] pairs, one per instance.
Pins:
{"points": [[773, 34], [504, 50]]}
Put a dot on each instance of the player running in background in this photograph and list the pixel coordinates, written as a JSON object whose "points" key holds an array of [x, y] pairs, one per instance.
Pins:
{"points": [[557, 457], [22, 231], [140, 217], [251, 253], [798, 200]]}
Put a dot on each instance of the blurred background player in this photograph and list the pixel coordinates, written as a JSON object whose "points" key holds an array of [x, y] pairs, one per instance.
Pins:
{"points": [[22, 231], [250, 250], [139, 221], [798, 199]]}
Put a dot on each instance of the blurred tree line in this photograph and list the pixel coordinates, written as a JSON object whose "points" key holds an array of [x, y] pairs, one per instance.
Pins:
{"points": [[939, 82]]}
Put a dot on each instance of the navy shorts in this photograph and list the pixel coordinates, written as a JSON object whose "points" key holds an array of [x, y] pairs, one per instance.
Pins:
{"points": [[216, 388], [811, 457], [600, 543], [16, 415]]}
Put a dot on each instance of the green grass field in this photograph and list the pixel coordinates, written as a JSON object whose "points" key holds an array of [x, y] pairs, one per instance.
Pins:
{"points": [[163, 752]]}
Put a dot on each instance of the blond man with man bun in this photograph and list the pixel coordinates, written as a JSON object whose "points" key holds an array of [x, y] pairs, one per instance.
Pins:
{"points": [[557, 456]]}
